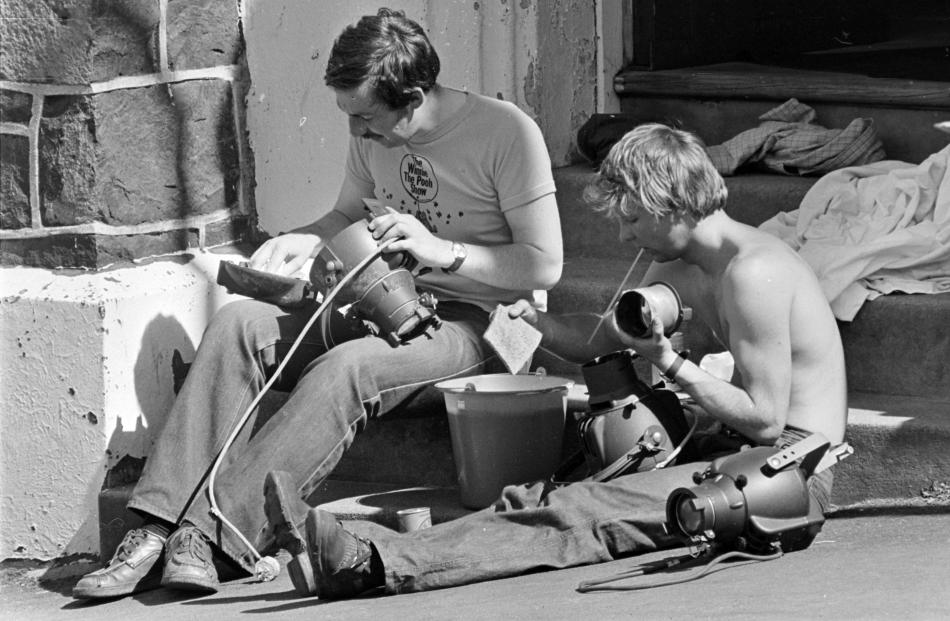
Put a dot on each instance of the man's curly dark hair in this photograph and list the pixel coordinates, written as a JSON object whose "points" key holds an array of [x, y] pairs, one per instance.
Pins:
{"points": [[387, 50]]}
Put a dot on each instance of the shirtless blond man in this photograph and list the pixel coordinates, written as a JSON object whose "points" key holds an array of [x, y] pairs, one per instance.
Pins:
{"points": [[760, 299]]}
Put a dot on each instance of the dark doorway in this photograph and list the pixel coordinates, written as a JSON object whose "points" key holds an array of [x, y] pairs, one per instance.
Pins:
{"points": [[909, 39]]}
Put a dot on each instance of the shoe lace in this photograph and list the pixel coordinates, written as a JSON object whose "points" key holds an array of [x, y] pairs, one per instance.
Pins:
{"points": [[354, 573], [128, 545], [360, 550], [194, 543]]}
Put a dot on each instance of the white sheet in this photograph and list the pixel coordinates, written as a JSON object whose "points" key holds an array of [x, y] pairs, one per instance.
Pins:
{"points": [[874, 229]]}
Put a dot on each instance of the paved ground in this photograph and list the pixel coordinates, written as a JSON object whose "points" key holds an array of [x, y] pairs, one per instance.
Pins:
{"points": [[882, 564]]}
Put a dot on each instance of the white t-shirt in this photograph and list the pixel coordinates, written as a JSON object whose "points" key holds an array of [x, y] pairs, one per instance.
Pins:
{"points": [[459, 179]]}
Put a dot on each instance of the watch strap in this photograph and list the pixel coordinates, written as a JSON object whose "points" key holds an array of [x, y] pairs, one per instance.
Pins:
{"points": [[460, 253]]}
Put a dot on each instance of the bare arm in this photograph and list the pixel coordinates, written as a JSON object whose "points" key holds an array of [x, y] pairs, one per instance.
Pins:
{"points": [[531, 261], [286, 253], [756, 305], [581, 337], [575, 337]]}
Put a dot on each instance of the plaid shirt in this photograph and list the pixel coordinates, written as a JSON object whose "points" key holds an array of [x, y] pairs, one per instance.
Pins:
{"points": [[788, 141]]}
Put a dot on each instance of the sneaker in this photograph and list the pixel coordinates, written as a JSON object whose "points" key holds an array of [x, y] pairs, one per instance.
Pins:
{"points": [[134, 568], [189, 564], [342, 562], [279, 500]]}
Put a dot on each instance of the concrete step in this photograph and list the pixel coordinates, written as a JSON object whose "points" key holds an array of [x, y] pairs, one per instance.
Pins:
{"points": [[753, 199], [720, 101], [899, 452], [899, 460]]}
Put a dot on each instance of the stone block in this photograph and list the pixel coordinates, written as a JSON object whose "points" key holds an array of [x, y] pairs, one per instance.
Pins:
{"points": [[79, 42], [46, 41], [15, 107], [138, 155], [88, 250], [92, 251], [203, 33], [109, 158], [14, 182], [207, 156], [125, 38], [67, 161]]}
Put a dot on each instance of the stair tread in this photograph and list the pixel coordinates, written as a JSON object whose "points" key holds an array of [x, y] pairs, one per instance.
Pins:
{"points": [[753, 199], [907, 133], [605, 273], [748, 80]]}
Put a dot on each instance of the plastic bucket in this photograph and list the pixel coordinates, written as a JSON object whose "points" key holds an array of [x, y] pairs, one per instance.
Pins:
{"points": [[505, 429]]}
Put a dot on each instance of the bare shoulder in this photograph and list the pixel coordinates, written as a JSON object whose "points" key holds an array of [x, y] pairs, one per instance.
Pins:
{"points": [[764, 262]]}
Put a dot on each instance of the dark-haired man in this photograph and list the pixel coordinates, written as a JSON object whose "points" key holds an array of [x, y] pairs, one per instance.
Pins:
{"points": [[468, 183], [757, 295]]}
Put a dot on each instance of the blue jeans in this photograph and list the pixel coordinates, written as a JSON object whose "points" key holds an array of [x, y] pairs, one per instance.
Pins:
{"points": [[334, 394], [537, 526]]}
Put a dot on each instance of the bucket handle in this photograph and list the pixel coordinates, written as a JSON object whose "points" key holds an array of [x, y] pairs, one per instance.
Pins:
{"points": [[540, 373]]}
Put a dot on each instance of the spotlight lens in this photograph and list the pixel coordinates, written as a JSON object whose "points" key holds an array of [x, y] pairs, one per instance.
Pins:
{"points": [[689, 516]]}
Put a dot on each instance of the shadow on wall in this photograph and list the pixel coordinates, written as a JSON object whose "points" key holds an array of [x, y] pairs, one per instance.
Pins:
{"points": [[206, 157], [159, 371], [166, 352], [206, 124]]}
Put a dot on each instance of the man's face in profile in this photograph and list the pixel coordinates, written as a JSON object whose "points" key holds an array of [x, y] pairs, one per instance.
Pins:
{"points": [[373, 120]]}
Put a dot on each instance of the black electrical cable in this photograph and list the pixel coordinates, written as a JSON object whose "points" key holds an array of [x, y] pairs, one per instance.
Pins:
{"points": [[589, 586]]}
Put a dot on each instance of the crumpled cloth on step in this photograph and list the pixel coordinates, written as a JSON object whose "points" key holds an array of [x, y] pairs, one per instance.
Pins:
{"points": [[788, 141], [871, 230]]}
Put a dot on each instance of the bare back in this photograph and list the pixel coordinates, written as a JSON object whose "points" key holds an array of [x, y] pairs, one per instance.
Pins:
{"points": [[765, 305]]}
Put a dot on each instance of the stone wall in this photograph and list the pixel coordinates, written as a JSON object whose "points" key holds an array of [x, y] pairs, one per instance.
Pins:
{"points": [[122, 137], [122, 130]]}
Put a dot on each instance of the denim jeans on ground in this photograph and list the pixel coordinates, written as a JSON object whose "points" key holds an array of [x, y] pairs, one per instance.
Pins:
{"points": [[334, 394], [535, 527]]}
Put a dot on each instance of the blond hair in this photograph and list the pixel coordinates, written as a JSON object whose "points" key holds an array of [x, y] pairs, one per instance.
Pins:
{"points": [[660, 170]]}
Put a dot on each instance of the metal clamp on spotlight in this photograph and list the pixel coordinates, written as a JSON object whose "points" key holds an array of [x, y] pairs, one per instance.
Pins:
{"points": [[383, 293], [753, 500], [630, 427]]}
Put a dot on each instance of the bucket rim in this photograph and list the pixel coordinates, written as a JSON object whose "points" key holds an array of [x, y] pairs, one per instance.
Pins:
{"points": [[457, 385]]}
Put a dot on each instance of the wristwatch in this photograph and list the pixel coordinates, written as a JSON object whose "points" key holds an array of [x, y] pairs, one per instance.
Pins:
{"points": [[459, 252]]}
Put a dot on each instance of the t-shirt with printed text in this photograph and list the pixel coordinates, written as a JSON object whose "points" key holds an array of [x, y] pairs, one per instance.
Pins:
{"points": [[459, 179]]}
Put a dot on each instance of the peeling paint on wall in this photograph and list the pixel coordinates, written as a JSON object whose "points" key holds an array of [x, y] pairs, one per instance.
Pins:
{"points": [[566, 78]]}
